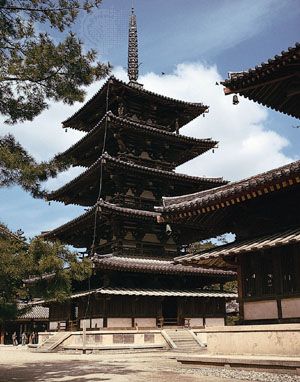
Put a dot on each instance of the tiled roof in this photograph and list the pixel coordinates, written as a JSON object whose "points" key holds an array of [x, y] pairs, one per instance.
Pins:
{"points": [[234, 192], [153, 265], [130, 166], [139, 91], [35, 312], [205, 144], [156, 292], [271, 83], [104, 207], [216, 256]]}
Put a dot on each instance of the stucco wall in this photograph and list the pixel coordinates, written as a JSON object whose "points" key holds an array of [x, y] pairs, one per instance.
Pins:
{"points": [[290, 308], [278, 339], [111, 339], [260, 310]]}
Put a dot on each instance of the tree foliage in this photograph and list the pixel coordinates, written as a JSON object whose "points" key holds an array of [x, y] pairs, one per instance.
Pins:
{"points": [[35, 69], [36, 269]]}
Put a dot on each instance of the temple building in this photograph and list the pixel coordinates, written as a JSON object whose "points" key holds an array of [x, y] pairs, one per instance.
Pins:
{"points": [[264, 213], [274, 83], [131, 149]]}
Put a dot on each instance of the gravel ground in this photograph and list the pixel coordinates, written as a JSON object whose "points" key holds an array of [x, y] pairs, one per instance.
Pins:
{"points": [[20, 365], [245, 375]]}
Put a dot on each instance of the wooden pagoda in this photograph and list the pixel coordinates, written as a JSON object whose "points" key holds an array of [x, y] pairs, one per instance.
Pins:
{"points": [[131, 149]]}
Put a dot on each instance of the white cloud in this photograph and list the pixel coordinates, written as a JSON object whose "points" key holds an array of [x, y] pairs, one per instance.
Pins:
{"points": [[246, 146]]}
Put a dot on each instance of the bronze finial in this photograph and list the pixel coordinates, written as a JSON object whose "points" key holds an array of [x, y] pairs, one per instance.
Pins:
{"points": [[133, 64]]}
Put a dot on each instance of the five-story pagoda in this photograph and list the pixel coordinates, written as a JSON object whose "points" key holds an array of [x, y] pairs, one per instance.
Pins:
{"points": [[131, 149]]}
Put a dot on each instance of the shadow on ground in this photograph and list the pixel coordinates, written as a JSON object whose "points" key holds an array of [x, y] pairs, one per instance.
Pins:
{"points": [[74, 371]]}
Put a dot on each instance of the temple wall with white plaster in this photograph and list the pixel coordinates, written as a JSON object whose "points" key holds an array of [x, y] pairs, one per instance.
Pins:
{"points": [[277, 339]]}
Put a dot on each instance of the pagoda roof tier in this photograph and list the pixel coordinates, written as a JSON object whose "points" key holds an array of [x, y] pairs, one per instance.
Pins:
{"points": [[162, 110], [79, 231], [256, 204], [134, 264], [274, 83], [83, 190], [216, 257], [177, 148]]}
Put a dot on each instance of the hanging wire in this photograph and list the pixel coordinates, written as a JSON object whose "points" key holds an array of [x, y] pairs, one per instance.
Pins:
{"points": [[101, 171], [99, 195]]}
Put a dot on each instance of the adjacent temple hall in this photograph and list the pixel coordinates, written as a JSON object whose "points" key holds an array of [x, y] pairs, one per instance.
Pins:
{"points": [[131, 149], [263, 211]]}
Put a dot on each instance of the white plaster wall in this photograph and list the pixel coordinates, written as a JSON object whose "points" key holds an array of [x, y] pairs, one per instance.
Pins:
{"points": [[290, 307], [98, 321], [119, 323], [194, 322], [277, 339], [260, 310], [145, 322], [214, 321]]}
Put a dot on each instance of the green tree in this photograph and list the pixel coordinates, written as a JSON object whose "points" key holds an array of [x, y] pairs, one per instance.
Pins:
{"points": [[35, 69], [35, 269]]}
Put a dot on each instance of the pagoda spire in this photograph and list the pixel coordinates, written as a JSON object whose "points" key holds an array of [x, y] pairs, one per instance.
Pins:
{"points": [[133, 59]]}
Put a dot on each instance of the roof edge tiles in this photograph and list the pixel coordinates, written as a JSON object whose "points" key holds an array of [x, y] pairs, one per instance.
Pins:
{"points": [[149, 292], [272, 84], [134, 264], [275, 179], [275, 63], [206, 142], [133, 166], [102, 206], [215, 257], [196, 105]]}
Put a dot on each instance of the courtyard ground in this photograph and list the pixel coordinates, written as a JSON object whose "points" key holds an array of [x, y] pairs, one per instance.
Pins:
{"points": [[20, 365]]}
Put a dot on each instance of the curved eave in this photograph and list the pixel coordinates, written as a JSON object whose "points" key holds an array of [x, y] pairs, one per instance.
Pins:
{"points": [[103, 209], [232, 193], [196, 108], [194, 146], [134, 168], [271, 84], [156, 266], [218, 256]]}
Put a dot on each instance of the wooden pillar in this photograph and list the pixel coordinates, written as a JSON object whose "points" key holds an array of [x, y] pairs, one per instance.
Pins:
{"points": [[278, 284], [240, 281]]}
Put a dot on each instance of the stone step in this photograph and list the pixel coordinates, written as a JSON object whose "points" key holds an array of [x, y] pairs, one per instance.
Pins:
{"points": [[184, 340]]}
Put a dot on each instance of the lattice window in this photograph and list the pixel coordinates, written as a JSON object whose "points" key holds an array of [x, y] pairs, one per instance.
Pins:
{"points": [[289, 267], [267, 275], [250, 280]]}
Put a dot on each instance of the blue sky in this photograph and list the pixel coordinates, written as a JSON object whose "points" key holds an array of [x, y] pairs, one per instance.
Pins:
{"points": [[209, 38]]}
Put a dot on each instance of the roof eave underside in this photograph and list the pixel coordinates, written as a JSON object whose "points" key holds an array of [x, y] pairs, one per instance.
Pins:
{"points": [[268, 83], [198, 108], [282, 177], [216, 257], [155, 266], [129, 166], [205, 144], [103, 209]]}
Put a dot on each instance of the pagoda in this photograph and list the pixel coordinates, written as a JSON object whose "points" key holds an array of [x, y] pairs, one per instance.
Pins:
{"points": [[130, 152]]}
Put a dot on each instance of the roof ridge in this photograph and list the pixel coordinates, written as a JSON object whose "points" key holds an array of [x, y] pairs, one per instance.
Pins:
{"points": [[259, 178]]}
